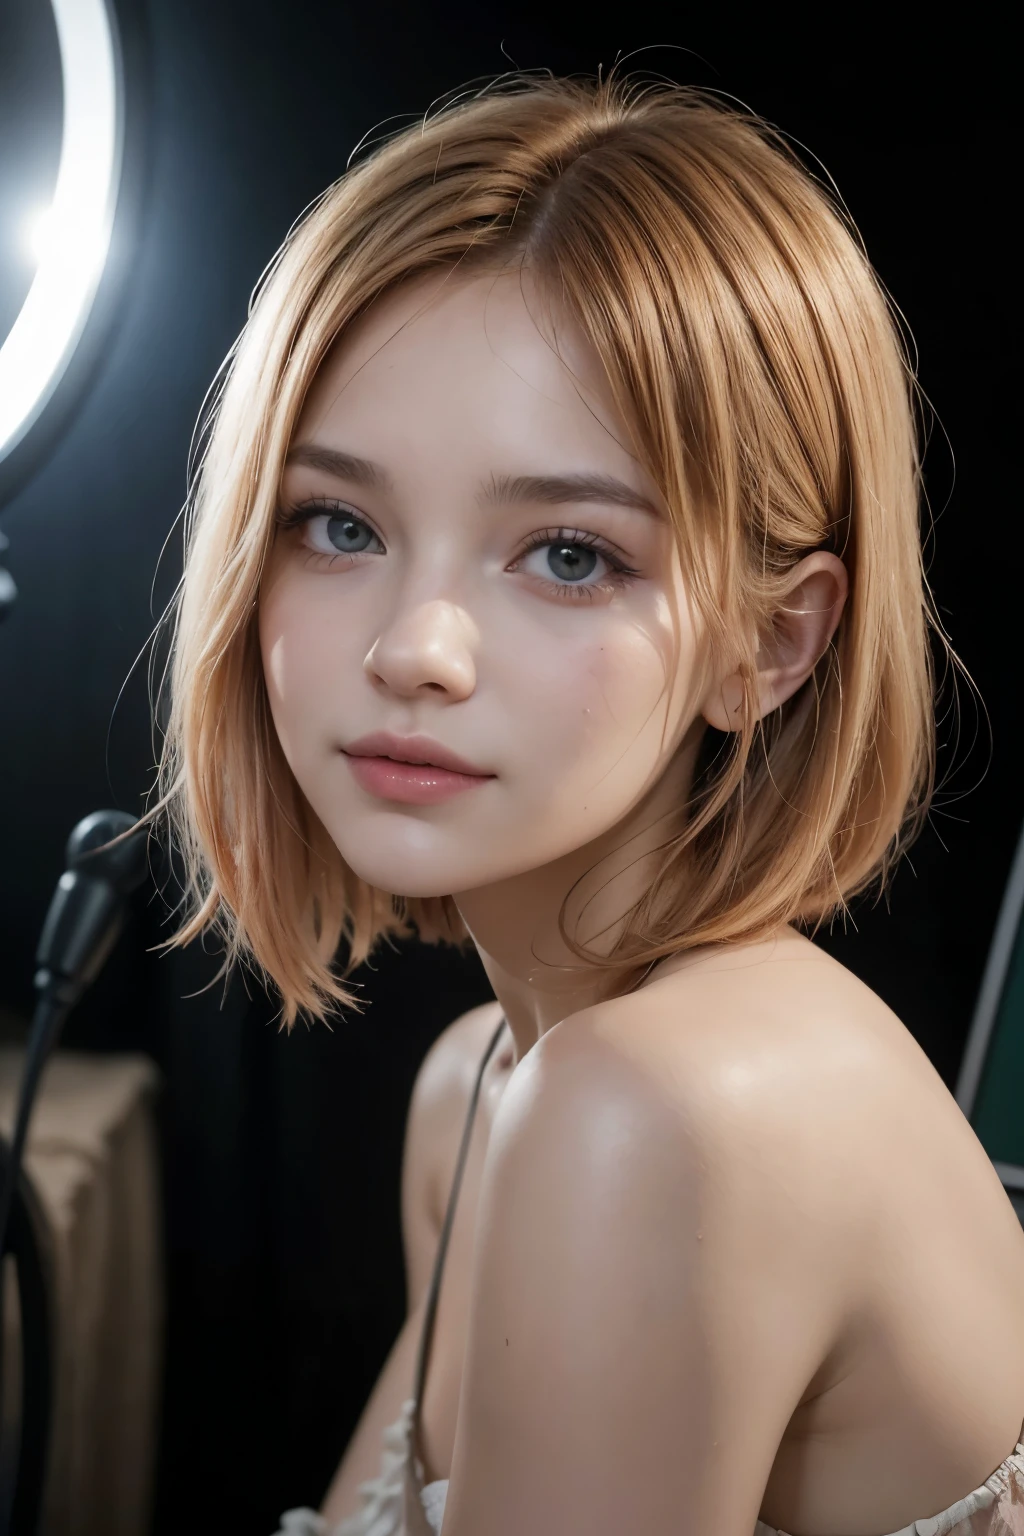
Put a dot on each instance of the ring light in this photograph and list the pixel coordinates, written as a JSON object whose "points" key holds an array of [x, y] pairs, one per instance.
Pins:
{"points": [[72, 237]]}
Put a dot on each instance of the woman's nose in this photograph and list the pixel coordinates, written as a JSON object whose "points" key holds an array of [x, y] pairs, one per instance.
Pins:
{"points": [[429, 646]]}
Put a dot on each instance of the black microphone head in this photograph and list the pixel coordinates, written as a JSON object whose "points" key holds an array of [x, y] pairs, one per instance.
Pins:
{"points": [[124, 865]]}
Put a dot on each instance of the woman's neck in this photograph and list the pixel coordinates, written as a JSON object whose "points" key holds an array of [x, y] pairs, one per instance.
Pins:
{"points": [[514, 923]]}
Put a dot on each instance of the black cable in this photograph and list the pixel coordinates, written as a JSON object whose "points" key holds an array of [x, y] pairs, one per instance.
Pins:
{"points": [[21, 1493], [104, 865], [51, 1011]]}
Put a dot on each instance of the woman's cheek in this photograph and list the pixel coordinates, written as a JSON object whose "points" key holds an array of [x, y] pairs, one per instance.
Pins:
{"points": [[296, 674], [579, 740], [561, 702], [624, 683]]}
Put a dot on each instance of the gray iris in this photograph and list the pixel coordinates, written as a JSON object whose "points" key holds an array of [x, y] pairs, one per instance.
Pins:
{"points": [[571, 562], [348, 534]]}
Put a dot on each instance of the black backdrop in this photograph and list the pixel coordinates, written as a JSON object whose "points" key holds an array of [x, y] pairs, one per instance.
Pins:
{"points": [[282, 1154]]}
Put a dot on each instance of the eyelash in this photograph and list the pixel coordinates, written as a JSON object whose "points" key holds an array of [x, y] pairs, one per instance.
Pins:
{"points": [[621, 574]]}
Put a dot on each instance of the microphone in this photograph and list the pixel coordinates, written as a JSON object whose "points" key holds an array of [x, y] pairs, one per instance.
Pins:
{"points": [[88, 908], [85, 918], [84, 921]]}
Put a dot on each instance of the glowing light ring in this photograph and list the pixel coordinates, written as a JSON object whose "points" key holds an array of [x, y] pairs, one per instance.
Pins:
{"points": [[78, 223]]}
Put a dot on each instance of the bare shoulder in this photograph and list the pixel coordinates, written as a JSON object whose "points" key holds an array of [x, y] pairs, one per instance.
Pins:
{"points": [[449, 1068], [762, 1028], [740, 1192], [650, 1215], [799, 1082]]}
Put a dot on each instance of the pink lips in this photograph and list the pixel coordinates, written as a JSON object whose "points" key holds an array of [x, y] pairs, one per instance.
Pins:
{"points": [[413, 769]]}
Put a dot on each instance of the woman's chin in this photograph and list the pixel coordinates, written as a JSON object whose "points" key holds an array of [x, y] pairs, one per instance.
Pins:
{"points": [[403, 880]]}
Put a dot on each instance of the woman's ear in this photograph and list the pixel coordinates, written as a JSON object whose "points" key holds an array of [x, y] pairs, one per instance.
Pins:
{"points": [[802, 627]]}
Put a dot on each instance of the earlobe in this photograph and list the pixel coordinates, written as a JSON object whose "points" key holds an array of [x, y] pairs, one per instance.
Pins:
{"points": [[802, 627], [723, 708]]}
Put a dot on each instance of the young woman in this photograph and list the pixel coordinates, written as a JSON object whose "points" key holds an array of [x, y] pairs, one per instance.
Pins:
{"points": [[554, 584]]}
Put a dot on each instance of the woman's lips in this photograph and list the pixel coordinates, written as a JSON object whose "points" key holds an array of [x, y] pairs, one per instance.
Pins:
{"points": [[416, 770], [412, 783]]}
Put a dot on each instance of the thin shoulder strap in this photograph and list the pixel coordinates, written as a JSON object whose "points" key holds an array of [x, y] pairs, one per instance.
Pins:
{"points": [[427, 1336]]}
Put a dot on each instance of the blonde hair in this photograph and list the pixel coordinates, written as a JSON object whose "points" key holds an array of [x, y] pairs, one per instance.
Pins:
{"points": [[751, 352]]}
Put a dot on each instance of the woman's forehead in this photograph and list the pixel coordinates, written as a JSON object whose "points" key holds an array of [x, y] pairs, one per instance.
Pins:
{"points": [[470, 344]]}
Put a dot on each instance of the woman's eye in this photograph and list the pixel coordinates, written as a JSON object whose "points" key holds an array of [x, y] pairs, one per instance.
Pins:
{"points": [[340, 533], [566, 561], [349, 535], [571, 562]]}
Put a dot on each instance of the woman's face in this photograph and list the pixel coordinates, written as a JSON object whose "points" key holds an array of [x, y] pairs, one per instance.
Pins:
{"points": [[473, 556]]}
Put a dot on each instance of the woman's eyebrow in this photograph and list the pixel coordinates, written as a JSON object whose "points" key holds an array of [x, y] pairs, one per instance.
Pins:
{"points": [[554, 489], [500, 490], [346, 466]]}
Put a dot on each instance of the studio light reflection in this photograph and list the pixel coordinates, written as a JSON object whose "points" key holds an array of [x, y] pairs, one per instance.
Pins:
{"points": [[70, 239]]}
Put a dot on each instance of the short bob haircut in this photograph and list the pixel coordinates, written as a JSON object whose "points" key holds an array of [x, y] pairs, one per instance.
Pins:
{"points": [[753, 356]]}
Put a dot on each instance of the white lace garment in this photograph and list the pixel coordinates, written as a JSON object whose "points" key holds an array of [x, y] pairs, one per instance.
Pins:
{"points": [[380, 1507]]}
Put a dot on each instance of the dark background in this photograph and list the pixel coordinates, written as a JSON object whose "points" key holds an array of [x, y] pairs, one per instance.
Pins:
{"points": [[282, 1155]]}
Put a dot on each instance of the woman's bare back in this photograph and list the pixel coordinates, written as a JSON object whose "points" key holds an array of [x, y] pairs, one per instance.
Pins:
{"points": [[923, 1396]]}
